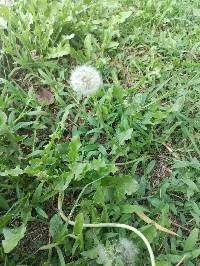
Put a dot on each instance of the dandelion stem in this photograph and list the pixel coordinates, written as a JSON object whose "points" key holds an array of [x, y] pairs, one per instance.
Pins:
{"points": [[108, 225]]}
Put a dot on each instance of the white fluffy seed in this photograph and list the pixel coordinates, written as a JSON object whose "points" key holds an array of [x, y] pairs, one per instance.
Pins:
{"points": [[85, 80], [6, 2]]}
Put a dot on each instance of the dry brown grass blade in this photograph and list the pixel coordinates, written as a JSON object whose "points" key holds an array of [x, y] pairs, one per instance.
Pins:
{"points": [[146, 219]]}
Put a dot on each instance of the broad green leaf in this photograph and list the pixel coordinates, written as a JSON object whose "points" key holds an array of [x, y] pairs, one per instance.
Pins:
{"points": [[121, 18], [150, 167], [65, 179], [23, 125], [78, 55], [97, 164], [41, 213], [117, 187], [78, 232], [37, 194], [3, 116], [77, 169], [191, 241], [131, 208], [91, 253], [181, 164], [55, 224], [48, 246], [191, 184], [12, 237], [104, 215], [163, 263], [15, 209], [65, 115], [195, 253], [113, 45], [99, 196], [125, 135], [107, 37], [149, 231], [59, 51], [78, 227], [74, 148], [60, 256], [165, 216], [195, 163], [3, 203], [12, 172], [191, 136], [179, 104], [88, 45], [129, 185]]}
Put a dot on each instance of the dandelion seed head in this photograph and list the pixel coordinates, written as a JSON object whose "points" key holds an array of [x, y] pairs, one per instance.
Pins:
{"points": [[85, 80], [127, 251], [122, 252], [6, 2], [104, 255]]}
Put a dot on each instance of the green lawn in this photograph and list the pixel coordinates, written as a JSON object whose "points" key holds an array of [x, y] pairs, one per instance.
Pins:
{"points": [[129, 154]]}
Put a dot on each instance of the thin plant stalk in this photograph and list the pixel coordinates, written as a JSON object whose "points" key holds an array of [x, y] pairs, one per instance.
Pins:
{"points": [[108, 225]]}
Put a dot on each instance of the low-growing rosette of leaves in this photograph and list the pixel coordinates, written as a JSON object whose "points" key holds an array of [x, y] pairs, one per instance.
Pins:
{"points": [[135, 141]]}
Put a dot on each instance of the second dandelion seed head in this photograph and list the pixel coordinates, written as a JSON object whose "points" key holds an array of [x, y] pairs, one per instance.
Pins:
{"points": [[121, 252], [85, 80]]}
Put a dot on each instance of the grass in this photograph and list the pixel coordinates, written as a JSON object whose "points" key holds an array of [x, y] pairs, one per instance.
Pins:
{"points": [[139, 135]]}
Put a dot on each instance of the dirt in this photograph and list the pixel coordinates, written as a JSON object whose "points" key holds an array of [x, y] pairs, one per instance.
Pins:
{"points": [[162, 168], [37, 234]]}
